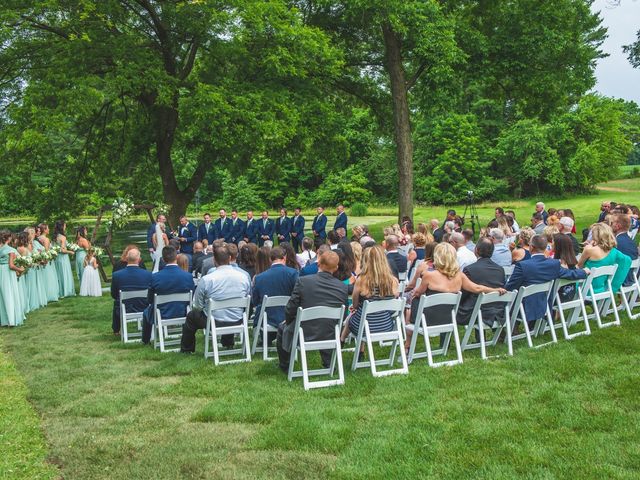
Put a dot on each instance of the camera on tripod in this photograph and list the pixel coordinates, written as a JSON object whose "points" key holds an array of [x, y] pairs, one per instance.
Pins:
{"points": [[469, 195], [470, 206]]}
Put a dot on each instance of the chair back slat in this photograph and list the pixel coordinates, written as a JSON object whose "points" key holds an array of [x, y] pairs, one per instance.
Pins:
{"points": [[238, 302], [495, 297], [314, 313], [173, 297], [128, 295], [275, 301], [374, 306]]}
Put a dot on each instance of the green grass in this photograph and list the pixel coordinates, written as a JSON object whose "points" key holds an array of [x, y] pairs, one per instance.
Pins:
{"points": [[111, 411]]}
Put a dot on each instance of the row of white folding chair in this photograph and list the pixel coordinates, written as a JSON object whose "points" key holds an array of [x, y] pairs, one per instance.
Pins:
{"points": [[415, 269], [508, 271], [213, 332], [127, 318], [262, 327], [630, 295], [168, 331]]}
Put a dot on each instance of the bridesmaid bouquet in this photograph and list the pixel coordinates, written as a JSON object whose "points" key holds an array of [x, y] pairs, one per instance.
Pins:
{"points": [[53, 252], [39, 258], [98, 252], [73, 247], [24, 262]]}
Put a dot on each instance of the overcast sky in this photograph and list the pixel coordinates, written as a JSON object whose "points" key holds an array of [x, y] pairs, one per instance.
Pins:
{"points": [[616, 77]]}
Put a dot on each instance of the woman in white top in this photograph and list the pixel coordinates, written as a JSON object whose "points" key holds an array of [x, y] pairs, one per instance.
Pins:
{"points": [[307, 255]]}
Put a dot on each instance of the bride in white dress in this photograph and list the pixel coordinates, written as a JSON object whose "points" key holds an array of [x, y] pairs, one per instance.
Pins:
{"points": [[90, 285], [160, 240]]}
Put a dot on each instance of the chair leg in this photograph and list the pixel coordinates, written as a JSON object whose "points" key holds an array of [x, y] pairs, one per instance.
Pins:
{"points": [[456, 339], [483, 347], [303, 360], [338, 355], [245, 342]]}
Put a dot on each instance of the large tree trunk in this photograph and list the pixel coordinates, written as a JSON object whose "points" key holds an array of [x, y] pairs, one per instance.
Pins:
{"points": [[401, 120]]}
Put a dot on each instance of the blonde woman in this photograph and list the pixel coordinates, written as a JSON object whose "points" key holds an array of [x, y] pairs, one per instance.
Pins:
{"points": [[375, 282], [548, 232], [445, 278], [357, 253], [523, 252], [601, 251]]}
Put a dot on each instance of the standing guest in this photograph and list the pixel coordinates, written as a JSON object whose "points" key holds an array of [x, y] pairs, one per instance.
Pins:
{"points": [[297, 229], [124, 262], [198, 255], [468, 237], [563, 251], [63, 264], [540, 209], [523, 252], [397, 261], [537, 223], [223, 226], [605, 208], [237, 227], [183, 262], [223, 283], [463, 255], [11, 306], [341, 219], [248, 258], [50, 269], [171, 279], [290, 256], [266, 228], [90, 285], [207, 231], [515, 226], [620, 225], [131, 277], [84, 245], [601, 252], [566, 226], [501, 253], [251, 229], [160, 218], [322, 289], [306, 257], [319, 226], [263, 260], [283, 227], [187, 234]]}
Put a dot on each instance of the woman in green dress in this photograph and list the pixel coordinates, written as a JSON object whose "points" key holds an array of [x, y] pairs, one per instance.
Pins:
{"points": [[51, 275], [81, 253], [63, 264], [41, 276], [27, 281], [11, 308]]}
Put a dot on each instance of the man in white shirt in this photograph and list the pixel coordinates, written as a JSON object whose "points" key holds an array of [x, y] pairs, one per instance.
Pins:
{"points": [[465, 256]]}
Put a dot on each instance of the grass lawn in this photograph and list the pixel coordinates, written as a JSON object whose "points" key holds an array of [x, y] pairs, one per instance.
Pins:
{"points": [[111, 411]]}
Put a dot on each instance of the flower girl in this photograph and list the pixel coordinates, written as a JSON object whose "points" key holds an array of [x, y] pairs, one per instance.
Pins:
{"points": [[90, 286]]}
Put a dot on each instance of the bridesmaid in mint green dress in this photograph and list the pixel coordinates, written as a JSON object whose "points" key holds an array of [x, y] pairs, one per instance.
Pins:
{"points": [[81, 253], [50, 273], [27, 282], [11, 308], [63, 264], [41, 276]]}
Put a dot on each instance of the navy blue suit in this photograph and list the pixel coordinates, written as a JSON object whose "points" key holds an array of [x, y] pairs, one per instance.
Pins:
{"points": [[171, 279], [283, 228], [267, 230], [237, 231], [630, 249], [297, 227], [223, 229], [127, 279], [277, 280], [190, 234], [341, 222], [210, 235], [310, 269], [319, 225], [251, 230], [534, 271]]}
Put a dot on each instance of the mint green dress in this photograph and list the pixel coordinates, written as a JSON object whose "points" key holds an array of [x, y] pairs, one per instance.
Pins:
{"points": [[51, 282], [615, 257], [32, 290], [23, 291], [65, 277], [11, 307], [41, 277], [81, 253]]}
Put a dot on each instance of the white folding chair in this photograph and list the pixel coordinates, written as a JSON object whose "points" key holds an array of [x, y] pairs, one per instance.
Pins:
{"points": [[605, 299], [393, 336], [212, 332], [575, 306], [300, 344], [631, 294], [131, 317], [415, 269], [508, 271], [477, 322], [422, 327], [168, 331], [263, 328], [518, 314], [402, 276]]}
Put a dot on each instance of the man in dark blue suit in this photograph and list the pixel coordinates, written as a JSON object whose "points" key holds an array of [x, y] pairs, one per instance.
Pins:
{"points": [[283, 227], [297, 230], [207, 231], [278, 280], [237, 228], [266, 228], [620, 225], [539, 269], [129, 278], [341, 219], [171, 279], [223, 226], [251, 229], [319, 226], [187, 234]]}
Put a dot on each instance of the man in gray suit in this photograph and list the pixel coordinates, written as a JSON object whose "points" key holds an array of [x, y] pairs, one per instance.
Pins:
{"points": [[319, 290]]}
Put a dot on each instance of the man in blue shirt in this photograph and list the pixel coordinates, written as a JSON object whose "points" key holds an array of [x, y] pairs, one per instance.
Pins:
{"points": [[501, 253]]}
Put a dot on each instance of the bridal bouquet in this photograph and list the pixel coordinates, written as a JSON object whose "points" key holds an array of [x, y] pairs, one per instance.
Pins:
{"points": [[73, 247], [122, 209]]}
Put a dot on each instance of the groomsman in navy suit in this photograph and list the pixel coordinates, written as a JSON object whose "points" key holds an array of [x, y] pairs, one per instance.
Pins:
{"points": [[223, 226], [171, 279], [207, 231], [283, 227], [319, 226], [341, 219], [187, 234], [237, 227], [297, 230], [266, 228], [251, 228], [129, 278]]}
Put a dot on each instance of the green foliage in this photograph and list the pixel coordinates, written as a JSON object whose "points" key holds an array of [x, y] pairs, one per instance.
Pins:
{"points": [[358, 209], [239, 193], [347, 187]]}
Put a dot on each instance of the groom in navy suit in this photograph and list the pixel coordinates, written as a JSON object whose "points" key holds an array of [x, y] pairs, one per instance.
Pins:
{"points": [[127, 279], [171, 279], [187, 234], [341, 219], [297, 230], [223, 226], [207, 231]]}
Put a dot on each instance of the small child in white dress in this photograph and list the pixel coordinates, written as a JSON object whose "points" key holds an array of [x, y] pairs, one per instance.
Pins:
{"points": [[90, 286]]}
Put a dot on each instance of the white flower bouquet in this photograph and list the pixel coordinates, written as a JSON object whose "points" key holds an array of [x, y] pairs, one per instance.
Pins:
{"points": [[73, 247], [24, 262]]}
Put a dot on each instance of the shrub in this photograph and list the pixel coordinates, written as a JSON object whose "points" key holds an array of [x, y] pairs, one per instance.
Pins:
{"points": [[358, 209]]}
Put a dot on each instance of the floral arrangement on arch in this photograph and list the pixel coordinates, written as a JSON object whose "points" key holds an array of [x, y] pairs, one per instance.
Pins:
{"points": [[122, 209]]}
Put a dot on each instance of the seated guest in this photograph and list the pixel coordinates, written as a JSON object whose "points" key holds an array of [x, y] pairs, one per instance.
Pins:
{"points": [[566, 226], [501, 253], [511, 214], [123, 261], [232, 248], [263, 260], [463, 255], [539, 269], [548, 232], [468, 237], [318, 290], [397, 261], [132, 277], [522, 252], [183, 262], [437, 232], [483, 272], [208, 264], [290, 255], [171, 279], [346, 265], [620, 225], [537, 223], [333, 239], [306, 257], [312, 268], [360, 234], [342, 235], [224, 283], [357, 250], [198, 254], [419, 241], [198, 260], [602, 251], [278, 280], [563, 251], [248, 258]]}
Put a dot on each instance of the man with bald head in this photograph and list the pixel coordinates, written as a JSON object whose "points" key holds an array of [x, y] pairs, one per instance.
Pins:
{"points": [[127, 279], [322, 289], [397, 261]]}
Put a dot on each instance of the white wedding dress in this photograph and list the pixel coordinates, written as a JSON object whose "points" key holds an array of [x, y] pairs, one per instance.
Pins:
{"points": [[157, 254], [91, 286]]}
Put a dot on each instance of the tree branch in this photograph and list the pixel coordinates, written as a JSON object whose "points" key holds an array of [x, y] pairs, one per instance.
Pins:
{"points": [[413, 80], [191, 58], [47, 28]]}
